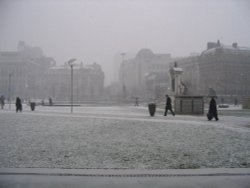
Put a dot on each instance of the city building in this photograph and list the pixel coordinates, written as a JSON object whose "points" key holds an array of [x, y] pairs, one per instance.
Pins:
{"points": [[21, 71], [29, 74], [219, 70], [145, 76], [88, 82]]}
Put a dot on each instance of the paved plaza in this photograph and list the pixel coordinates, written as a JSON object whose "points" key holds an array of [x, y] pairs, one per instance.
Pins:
{"points": [[120, 138], [78, 178], [124, 137]]}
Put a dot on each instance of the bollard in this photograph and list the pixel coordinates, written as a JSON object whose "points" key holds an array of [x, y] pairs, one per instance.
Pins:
{"points": [[32, 106], [151, 109]]}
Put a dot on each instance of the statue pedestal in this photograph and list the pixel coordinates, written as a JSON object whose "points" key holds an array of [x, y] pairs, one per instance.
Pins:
{"points": [[189, 105]]}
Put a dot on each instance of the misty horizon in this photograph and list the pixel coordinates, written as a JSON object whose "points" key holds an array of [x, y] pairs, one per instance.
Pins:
{"points": [[96, 31]]}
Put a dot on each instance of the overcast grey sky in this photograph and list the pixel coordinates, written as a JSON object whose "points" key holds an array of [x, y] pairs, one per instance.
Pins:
{"points": [[96, 30]]}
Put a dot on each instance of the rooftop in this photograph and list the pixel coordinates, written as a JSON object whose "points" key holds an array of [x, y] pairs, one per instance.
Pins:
{"points": [[234, 49]]}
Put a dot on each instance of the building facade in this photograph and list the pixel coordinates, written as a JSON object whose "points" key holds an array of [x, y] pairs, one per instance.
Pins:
{"points": [[145, 75], [29, 74], [21, 71], [221, 70], [88, 82]]}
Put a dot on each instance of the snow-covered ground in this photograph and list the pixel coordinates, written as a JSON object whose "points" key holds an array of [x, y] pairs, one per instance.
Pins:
{"points": [[120, 137]]}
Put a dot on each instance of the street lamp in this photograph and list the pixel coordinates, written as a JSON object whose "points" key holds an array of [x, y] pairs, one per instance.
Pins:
{"points": [[10, 75], [123, 84], [70, 62], [242, 84]]}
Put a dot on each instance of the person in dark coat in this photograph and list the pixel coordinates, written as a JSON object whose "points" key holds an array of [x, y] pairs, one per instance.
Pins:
{"points": [[18, 104], [136, 101], [50, 102], [168, 106], [212, 112], [2, 99]]}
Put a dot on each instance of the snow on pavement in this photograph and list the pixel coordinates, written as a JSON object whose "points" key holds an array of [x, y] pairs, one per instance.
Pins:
{"points": [[121, 137]]}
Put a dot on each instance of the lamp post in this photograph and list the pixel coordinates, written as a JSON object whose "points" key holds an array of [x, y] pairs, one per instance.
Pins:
{"points": [[70, 62], [10, 75], [242, 84], [123, 84]]}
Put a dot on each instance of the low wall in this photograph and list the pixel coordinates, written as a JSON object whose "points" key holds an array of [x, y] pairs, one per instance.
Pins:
{"points": [[246, 103], [189, 105]]}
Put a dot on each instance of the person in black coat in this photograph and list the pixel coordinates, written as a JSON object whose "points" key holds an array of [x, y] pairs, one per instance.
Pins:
{"points": [[212, 112], [18, 104], [168, 106], [2, 99]]}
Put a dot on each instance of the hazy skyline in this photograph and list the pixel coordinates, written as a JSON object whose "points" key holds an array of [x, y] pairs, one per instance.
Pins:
{"points": [[96, 30]]}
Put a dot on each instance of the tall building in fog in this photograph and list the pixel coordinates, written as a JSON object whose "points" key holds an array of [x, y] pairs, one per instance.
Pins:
{"points": [[220, 68], [146, 75], [88, 82], [21, 71], [28, 73]]}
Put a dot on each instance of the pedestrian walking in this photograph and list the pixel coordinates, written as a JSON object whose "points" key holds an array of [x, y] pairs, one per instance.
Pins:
{"points": [[2, 101], [212, 112], [235, 101], [42, 102], [50, 102], [168, 106], [18, 104], [136, 101]]}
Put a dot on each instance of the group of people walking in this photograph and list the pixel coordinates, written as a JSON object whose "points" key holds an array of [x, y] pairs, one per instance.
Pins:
{"points": [[18, 103], [212, 112], [19, 106]]}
